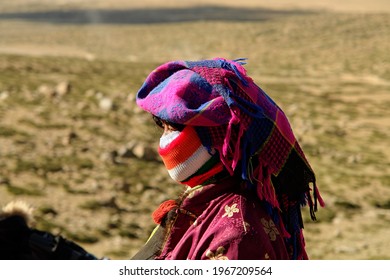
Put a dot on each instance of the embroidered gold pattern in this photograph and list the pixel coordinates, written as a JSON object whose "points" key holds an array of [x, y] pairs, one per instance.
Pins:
{"points": [[270, 228], [230, 210], [218, 255]]}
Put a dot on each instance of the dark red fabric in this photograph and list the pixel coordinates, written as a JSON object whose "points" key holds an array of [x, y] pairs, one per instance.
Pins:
{"points": [[225, 221]]}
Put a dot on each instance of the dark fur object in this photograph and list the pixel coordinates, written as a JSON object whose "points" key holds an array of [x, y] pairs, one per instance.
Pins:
{"points": [[18, 241]]}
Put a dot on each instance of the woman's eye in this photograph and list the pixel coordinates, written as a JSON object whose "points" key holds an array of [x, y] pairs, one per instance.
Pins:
{"points": [[158, 121], [167, 125]]}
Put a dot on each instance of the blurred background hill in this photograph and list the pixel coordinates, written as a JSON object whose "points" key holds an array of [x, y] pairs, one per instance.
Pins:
{"points": [[74, 145]]}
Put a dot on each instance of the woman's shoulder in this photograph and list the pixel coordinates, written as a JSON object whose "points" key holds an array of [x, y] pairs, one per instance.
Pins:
{"points": [[237, 226], [234, 212]]}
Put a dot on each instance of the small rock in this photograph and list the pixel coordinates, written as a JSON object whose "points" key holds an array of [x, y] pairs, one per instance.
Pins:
{"points": [[139, 150], [144, 152], [109, 157], [131, 144], [90, 56], [125, 152], [4, 95], [69, 138], [47, 91], [106, 104], [139, 187], [62, 88]]}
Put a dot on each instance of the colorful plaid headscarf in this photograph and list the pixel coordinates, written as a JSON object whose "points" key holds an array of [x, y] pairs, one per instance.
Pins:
{"points": [[232, 115]]}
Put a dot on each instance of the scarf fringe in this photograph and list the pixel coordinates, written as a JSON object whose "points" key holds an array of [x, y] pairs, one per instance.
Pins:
{"points": [[264, 187], [313, 201], [317, 196]]}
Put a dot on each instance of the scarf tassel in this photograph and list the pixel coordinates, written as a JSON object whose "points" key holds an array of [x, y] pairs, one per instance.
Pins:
{"points": [[160, 213], [237, 69], [265, 189], [312, 201], [317, 196]]}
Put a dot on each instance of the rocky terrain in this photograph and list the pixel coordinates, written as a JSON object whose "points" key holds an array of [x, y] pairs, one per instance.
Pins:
{"points": [[74, 145]]}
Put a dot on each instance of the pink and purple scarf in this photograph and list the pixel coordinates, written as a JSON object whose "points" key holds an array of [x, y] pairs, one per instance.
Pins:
{"points": [[235, 117]]}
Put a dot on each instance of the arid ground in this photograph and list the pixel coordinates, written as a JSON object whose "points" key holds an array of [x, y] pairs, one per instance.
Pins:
{"points": [[74, 145]]}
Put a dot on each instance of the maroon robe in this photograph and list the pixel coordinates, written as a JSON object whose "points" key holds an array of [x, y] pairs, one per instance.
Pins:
{"points": [[220, 221]]}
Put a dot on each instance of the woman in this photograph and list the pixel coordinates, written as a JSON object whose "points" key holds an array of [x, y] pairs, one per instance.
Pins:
{"points": [[245, 174]]}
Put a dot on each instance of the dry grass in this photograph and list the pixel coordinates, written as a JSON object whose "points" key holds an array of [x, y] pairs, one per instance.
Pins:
{"points": [[330, 72]]}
